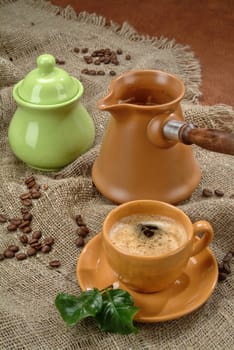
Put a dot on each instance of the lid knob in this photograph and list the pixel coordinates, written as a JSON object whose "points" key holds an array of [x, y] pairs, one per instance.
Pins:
{"points": [[46, 63]]}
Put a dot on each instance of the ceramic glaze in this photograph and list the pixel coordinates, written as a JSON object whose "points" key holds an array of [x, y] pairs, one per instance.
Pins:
{"points": [[50, 127], [136, 161]]}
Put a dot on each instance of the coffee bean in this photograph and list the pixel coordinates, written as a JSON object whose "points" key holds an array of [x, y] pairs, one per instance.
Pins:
{"points": [[2, 257], [219, 193], [11, 227], [97, 62], [206, 192], [31, 251], [36, 234], [35, 188], [36, 195], [25, 195], [100, 72], [32, 241], [29, 179], [88, 59], [21, 256], [13, 248], [46, 248], [119, 51], [79, 242], [27, 229], [16, 221], [48, 241], [27, 202], [85, 71], [222, 276], [79, 220], [76, 49], [23, 239], [92, 72], [24, 210], [220, 266], [9, 253], [83, 231], [36, 245], [24, 224], [226, 268], [3, 219], [128, 57], [112, 72], [27, 217], [227, 257], [54, 263], [58, 61], [31, 184], [84, 50]]}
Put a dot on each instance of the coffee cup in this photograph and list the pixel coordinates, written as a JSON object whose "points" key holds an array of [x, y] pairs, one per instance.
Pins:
{"points": [[148, 243]]}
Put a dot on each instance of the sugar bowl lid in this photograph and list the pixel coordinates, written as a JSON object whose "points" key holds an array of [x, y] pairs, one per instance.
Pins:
{"points": [[47, 84]]}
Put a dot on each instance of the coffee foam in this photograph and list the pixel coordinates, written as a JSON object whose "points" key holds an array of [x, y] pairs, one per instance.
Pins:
{"points": [[126, 235]]}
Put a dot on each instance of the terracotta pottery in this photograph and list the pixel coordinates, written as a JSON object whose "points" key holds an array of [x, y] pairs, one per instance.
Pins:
{"points": [[152, 273], [136, 161]]}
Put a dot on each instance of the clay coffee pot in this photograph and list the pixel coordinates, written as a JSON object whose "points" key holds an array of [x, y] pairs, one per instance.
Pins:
{"points": [[50, 127], [146, 151]]}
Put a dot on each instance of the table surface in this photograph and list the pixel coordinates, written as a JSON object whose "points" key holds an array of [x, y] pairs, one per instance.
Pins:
{"points": [[206, 26]]}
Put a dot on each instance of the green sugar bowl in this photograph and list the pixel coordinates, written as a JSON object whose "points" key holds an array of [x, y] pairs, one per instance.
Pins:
{"points": [[50, 127]]}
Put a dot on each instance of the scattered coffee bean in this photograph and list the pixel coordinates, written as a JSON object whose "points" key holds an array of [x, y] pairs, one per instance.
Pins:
{"points": [[21, 256], [54, 263], [27, 202], [219, 193], [27, 229], [222, 276], [88, 59], [46, 248], [23, 239], [32, 241], [3, 219], [85, 71], [83, 231], [112, 72], [36, 195], [9, 254], [24, 211], [11, 227], [128, 57], [13, 248], [29, 179], [24, 224], [79, 242], [228, 257], [36, 234], [36, 245], [25, 196], [48, 241], [27, 217], [97, 62], [79, 220], [16, 221], [76, 49], [100, 72], [84, 50], [58, 61], [2, 257], [119, 51], [206, 192], [31, 251], [227, 268]]}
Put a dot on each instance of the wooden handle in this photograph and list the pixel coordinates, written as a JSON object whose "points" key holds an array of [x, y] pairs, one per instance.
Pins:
{"points": [[211, 139]]}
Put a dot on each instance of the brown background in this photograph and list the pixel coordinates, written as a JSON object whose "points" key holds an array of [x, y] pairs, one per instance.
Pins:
{"points": [[207, 26]]}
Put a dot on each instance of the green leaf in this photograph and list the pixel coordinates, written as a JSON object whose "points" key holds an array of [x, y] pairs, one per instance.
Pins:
{"points": [[117, 312], [73, 309]]}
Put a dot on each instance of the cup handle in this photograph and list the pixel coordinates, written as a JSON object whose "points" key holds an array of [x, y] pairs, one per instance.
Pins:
{"points": [[207, 235]]}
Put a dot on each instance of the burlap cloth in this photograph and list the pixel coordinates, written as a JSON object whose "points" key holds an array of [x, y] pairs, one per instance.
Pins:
{"points": [[28, 318]]}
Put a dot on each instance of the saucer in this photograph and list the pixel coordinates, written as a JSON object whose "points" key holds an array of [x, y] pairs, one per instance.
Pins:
{"points": [[186, 294]]}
